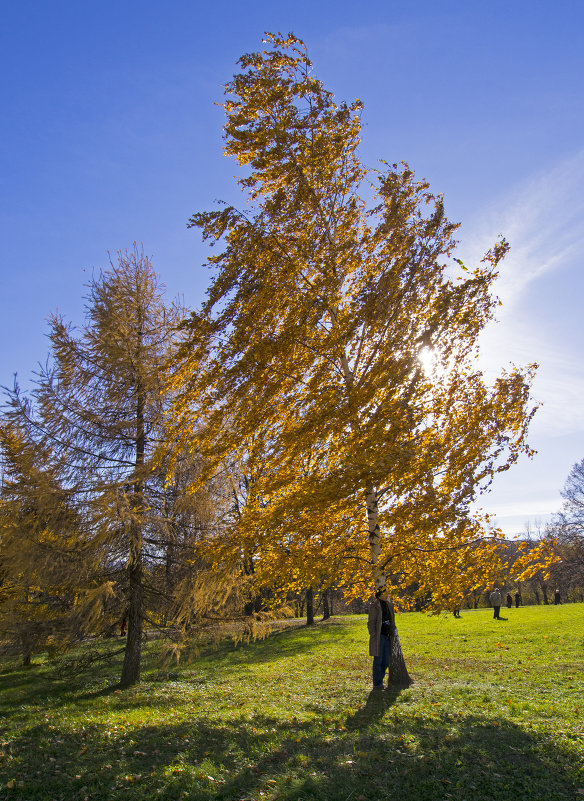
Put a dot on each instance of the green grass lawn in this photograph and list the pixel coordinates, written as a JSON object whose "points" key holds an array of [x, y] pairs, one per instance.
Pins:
{"points": [[496, 713]]}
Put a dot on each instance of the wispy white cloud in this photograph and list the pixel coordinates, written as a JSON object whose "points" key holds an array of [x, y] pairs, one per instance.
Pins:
{"points": [[543, 219], [535, 509], [559, 381]]}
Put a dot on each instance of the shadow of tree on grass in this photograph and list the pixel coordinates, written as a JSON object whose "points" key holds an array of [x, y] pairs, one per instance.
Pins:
{"points": [[378, 701], [262, 757]]}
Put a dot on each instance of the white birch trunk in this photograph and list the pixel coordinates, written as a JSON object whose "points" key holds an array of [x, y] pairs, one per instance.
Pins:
{"points": [[374, 538]]}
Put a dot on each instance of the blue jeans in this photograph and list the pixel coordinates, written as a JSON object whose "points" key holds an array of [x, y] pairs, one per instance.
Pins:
{"points": [[382, 660]]}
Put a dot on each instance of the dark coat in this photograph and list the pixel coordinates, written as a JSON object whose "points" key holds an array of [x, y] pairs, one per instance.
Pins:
{"points": [[374, 625]]}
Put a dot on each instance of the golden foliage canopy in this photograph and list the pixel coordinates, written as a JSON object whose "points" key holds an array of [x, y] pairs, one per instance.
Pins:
{"points": [[304, 364]]}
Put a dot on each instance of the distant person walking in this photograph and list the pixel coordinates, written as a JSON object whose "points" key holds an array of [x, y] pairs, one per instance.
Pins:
{"points": [[495, 599], [517, 599], [509, 601], [557, 597], [381, 626]]}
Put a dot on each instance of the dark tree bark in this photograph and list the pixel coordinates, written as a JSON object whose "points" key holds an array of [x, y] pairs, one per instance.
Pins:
{"points": [[398, 672], [300, 605], [326, 605], [133, 653], [310, 606], [26, 656]]}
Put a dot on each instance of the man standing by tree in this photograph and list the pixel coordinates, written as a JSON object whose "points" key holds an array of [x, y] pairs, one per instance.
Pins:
{"points": [[381, 626]]}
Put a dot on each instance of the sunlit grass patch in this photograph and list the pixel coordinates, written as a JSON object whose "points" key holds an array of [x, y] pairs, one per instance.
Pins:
{"points": [[495, 713]]}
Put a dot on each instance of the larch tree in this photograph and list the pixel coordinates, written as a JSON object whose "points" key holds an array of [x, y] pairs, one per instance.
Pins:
{"points": [[98, 407], [42, 565], [340, 324]]}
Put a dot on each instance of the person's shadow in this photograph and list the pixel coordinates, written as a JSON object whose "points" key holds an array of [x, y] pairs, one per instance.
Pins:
{"points": [[377, 702]]}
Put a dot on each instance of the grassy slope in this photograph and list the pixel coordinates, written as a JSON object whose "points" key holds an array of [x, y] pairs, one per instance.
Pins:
{"points": [[496, 713]]}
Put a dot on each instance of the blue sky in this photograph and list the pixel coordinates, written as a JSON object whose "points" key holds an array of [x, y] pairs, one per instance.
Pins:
{"points": [[110, 134]]}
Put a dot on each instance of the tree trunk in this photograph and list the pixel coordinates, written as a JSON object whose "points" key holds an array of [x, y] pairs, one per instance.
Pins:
{"points": [[133, 653], [27, 645], [398, 672], [310, 606], [169, 575], [374, 537], [326, 608], [300, 605], [26, 659]]}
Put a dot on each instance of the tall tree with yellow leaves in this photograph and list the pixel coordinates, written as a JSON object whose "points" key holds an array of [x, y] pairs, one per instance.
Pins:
{"points": [[333, 292]]}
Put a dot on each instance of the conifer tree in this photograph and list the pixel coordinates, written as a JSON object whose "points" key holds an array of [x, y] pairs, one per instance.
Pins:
{"points": [[42, 568], [336, 348], [97, 408]]}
